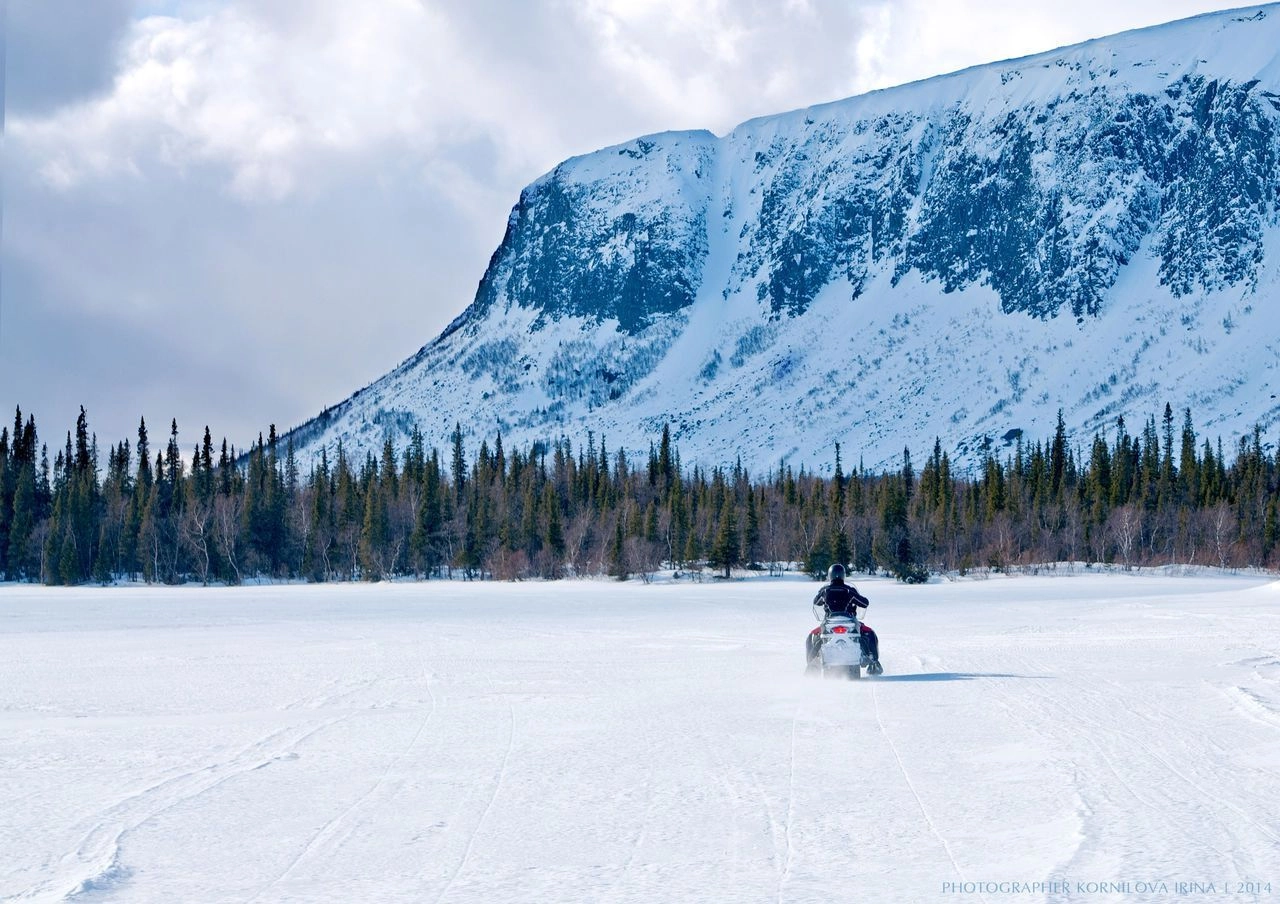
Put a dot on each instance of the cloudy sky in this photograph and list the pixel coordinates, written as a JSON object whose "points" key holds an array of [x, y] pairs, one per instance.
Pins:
{"points": [[236, 213]]}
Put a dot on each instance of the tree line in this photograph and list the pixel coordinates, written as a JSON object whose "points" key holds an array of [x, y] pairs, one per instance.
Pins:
{"points": [[1156, 496]]}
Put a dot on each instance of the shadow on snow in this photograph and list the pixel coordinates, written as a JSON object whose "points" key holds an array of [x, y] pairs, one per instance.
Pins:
{"points": [[951, 676]]}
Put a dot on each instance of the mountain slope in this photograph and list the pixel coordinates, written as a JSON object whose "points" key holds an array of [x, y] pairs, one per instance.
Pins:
{"points": [[1092, 229]]}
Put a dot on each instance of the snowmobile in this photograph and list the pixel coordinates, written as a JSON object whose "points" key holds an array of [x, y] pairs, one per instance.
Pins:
{"points": [[839, 647]]}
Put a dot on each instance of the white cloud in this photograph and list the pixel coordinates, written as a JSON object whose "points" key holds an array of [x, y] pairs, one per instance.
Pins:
{"points": [[275, 98], [714, 64], [275, 92]]}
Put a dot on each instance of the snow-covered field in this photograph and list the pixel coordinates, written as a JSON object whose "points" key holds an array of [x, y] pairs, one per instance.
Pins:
{"points": [[590, 741]]}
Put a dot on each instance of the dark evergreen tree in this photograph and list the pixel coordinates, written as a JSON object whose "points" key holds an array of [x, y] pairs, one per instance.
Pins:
{"points": [[751, 532], [726, 550], [618, 554]]}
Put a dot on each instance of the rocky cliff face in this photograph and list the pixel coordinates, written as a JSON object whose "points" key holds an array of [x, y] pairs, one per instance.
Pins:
{"points": [[623, 241], [1086, 229]]}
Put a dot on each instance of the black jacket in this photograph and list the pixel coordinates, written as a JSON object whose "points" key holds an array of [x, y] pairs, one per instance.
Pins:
{"points": [[840, 599]]}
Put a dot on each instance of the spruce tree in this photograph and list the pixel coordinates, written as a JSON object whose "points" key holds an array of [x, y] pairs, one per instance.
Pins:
{"points": [[1058, 460], [617, 553], [530, 532], [8, 480], [1188, 468], [22, 526], [841, 551], [374, 533], [678, 522], [692, 554], [554, 537], [459, 464], [725, 552]]}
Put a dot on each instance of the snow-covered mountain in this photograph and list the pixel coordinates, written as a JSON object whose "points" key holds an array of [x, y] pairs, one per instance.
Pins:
{"points": [[1094, 229]]}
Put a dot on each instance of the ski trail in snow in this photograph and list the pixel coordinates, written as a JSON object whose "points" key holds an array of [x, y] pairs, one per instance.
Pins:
{"points": [[331, 828], [1087, 700], [1015, 700], [99, 851], [1251, 706], [875, 702], [1213, 798], [791, 799], [643, 833], [769, 815], [484, 814]]}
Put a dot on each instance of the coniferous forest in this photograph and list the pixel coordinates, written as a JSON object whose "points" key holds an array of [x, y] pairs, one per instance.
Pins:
{"points": [[1159, 495]]}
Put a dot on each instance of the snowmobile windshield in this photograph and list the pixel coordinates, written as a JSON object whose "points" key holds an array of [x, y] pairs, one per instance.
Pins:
{"points": [[822, 613]]}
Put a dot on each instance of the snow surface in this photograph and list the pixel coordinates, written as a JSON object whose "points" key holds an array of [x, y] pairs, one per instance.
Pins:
{"points": [[591, 741]]}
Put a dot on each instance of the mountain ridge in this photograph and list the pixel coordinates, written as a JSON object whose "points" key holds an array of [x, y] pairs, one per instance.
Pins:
{"points": [[683, 277]]}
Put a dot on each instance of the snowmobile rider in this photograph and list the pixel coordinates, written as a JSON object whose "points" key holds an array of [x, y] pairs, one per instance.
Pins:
{"points": [[839, 598]]}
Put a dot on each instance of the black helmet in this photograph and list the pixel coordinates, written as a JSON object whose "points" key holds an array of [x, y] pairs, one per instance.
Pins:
{"points": [[835, 574]]}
